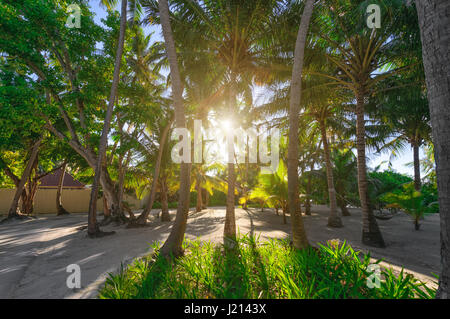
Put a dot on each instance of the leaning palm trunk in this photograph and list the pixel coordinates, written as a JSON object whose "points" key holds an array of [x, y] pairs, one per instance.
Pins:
{"points": [[13, 210], [142, 219], [299, 238], [93, 228], [334, 220], [59, 207], [371, 234], [434, 20], [173, 244]]}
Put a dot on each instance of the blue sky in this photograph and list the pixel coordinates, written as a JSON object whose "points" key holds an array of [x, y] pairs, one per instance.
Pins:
{"points": [[398, 164]]}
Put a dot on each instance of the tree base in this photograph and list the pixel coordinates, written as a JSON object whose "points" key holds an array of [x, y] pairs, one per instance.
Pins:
{"points": [[137, 224], [62, 211], [416, 226], [99, 234], [373, 239], [106, 221], [16, 217], [345, 212], [335, 222], [165, 217]]}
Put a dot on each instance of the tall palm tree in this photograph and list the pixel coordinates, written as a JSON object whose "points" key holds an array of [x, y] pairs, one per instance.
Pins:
{"points": [[299, 238], [234, 34], [433, 19], [359, 54], [334, 220], [173, 244], [406, 114], [345, 174]]}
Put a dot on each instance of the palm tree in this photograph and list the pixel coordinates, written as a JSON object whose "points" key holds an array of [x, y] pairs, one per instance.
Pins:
{"points": [[299, 238], [359, 54], [432, 21], [406, 114], [334, 220], [323, 107], [173, 244], [234, 34], [273, 189], [345, 173], [202, 181]]}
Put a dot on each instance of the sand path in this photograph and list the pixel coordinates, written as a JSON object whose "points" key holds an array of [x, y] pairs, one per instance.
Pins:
{"points": [[34, 254]]}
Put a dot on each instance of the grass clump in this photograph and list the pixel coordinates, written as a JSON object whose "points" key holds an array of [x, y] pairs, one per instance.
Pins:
{"points": [[254, 269]]}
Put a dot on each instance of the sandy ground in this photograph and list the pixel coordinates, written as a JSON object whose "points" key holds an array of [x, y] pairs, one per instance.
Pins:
{"points": [[34, 253]]}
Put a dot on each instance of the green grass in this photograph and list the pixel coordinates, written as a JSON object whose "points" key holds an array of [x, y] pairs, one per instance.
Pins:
{"points": [[256, 269]]}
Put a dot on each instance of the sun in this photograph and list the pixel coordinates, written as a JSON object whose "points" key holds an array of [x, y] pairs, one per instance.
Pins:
{"points": [[226, 124]]}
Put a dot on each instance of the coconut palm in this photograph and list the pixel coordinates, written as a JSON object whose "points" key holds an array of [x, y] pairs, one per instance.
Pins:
{"points": [[300, 240], [405, 112], [345, 173], [234, 34], [364, 57], [173, 244]]}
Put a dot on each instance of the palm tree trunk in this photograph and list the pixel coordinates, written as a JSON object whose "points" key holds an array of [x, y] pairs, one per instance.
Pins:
{"points": [[434, 20], [142, 219], [199, 195], [371, 234], [299, 238], [308, 193], [417, 182], [206, 198], [165, 217], [93, 228], [123, 167], [13, 210], [229, 230], [334, 220], [59, 207], [173, 244], [247, 164]]}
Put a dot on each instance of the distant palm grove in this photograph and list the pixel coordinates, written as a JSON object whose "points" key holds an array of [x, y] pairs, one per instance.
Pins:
{"points": [[343, 81]]}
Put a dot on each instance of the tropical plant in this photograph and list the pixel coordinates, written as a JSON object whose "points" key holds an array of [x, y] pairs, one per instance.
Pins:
{"points": [[272, 189], [411, 202]]}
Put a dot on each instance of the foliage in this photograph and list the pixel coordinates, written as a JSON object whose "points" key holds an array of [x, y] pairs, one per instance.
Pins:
{"points": [[272, 188], [384, 182], [257, 270], [411, 202]]}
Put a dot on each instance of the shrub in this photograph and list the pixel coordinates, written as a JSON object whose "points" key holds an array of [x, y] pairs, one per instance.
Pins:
{"points": [[271, 269]]}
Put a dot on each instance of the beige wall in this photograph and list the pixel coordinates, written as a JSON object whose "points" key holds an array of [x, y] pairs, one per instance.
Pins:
{"points": [[74, 200]]}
